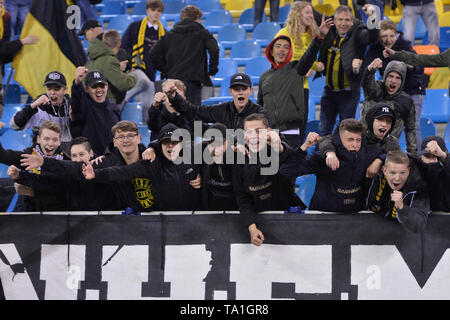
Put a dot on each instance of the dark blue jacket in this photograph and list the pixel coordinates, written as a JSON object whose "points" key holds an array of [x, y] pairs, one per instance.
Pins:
{"points": [[342, 190]]}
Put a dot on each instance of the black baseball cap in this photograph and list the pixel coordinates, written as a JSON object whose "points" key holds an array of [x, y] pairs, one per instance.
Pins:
{"points": [[439, 140], [56, 78], [93, 77], [222, 133], [383, 111], [89, 24], [240, 79], [167, 132]]}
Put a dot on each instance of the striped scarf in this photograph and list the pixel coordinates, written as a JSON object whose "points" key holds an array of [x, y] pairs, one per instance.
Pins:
{"points": [[138, 49]]}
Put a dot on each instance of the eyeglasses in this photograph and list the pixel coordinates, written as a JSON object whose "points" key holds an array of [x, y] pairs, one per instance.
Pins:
{"points": [[128, 137]]}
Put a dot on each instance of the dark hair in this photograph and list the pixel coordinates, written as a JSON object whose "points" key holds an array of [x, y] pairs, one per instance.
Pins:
{"points": [[81, 140], [124, 125], [191, 13], [257, 116], [352, 125], [154, 4], [397, 156], [50, 125]]}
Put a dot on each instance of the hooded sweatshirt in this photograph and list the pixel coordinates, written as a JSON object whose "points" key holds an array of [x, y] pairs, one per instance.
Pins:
{"points": [[181, 53], [103, 59], [281, 87], [400, 102]]}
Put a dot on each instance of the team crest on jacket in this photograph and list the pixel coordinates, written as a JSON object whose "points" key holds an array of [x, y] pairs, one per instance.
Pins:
{"points": [[143, 191]]}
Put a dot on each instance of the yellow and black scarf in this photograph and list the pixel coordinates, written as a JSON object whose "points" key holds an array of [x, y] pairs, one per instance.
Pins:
{"points": [[138, 49], [2, 22]]}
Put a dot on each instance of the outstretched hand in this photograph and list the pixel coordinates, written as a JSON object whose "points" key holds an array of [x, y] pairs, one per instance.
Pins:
{"points": [[32, 161], [388, 52], [88, 171]]}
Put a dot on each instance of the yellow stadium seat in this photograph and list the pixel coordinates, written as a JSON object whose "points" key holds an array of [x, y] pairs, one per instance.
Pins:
{"points": [[394, 15], [444, 19], [325, 8], [439, 7], [427, 49], [236, 7], [333, 3]]}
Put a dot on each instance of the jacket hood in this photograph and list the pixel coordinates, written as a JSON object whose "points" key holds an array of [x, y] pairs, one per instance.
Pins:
{"points": [[98, 49], [288, 57], [187, 26], [400, 68], [370, 116]]}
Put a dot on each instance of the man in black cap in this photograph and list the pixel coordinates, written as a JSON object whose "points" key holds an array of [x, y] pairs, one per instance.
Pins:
{"points": [[53, 105], [96, 113], [91, 29], [434, 156], [231, 114]]}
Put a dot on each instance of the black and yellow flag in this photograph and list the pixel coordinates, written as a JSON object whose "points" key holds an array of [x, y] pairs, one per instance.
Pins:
{"points": [[58, 48]]}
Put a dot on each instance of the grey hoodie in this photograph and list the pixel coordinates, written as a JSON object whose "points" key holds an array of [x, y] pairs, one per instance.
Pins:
{"points": [[400, 102]]}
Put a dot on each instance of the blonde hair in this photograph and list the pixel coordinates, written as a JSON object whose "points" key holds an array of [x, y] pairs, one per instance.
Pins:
{"points": [[294, 22]]}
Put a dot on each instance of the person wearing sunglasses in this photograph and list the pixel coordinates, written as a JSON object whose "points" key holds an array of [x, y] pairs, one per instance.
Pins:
{"points": [[94, 111]]}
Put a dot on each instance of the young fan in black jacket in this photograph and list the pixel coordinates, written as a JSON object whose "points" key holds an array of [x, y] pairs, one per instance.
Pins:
{"points": [[175, 186]]}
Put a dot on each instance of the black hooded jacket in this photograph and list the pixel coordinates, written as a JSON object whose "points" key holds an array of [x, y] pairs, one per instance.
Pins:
{"points": [[181, 53]]}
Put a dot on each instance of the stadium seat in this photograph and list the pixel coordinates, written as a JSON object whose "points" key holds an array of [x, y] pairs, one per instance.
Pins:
{"points": [[133, 112], [436, 106], [145, 134], [394, 15], [246, 19], [9, 112], [402, 141], [236, 7], [3, 170], [207, 6], [217, 19], [139, 9], [227, 67], [265, 32], [306, 185], [132, 3], [120, 23], [172, 9], [283, 14], [221, 50], [256, 67], [444, 39], [427, 49], [444, 19], [113, 9], [427, 127], [315, 88], [420, 30], [244, 50], [17, 140], [230, 34], [447, 136], [12, 94]]}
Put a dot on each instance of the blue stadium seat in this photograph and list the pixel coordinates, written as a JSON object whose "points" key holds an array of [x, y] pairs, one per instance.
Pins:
{"points": [[120, 23], [9, 112], [133, 112], [221, 51], [139, 9], [402, 141], [427, 128], [265, 32], [256, 67], [13, 94], [312, 126], [230, 35], [216, 100], [133, 3], [113, 9], [246, 19], [145, 134], [3, 170], [217, 19], [227, 67], [444, 39], [17, 140], [207, 6], [436, 106], [244, 50], [315, 88], [283, 14], [306, 185], [447, 136], [172, 9], [420, 30]]}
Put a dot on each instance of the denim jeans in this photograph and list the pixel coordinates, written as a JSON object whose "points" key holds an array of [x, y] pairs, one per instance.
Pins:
{"points": [[332, 103], [18, 10], [259, 9], [429, 16]]}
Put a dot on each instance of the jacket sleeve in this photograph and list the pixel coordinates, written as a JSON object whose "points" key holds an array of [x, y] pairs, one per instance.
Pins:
{"points": [[414, 216], [213, 49], [118, 79], [38, 182], [326, 145], [423, 60], [10, 157], [127, 44], [140, 169], [154, 119], [22, 117], [244, 200], [309, 57], [79, 107], [372, 89], [210, 114], [8, 49], [410, 130], [158, 55], [299, 164], [67, 169]]}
